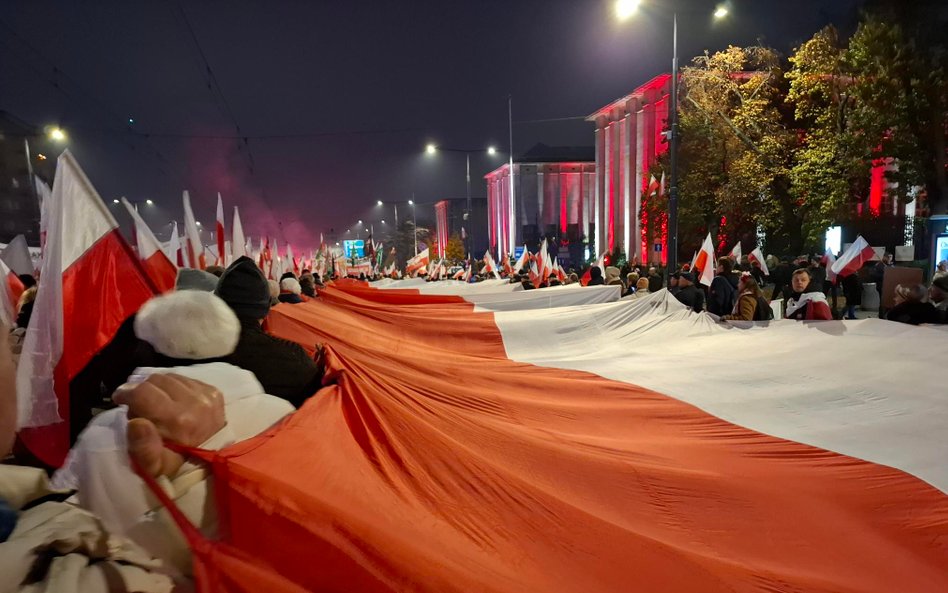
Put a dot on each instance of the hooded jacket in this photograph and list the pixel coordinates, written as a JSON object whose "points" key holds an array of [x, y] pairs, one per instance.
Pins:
{"points": [[282, 367]]}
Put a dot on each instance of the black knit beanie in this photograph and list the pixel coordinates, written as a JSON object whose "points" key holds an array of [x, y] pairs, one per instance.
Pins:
{"points": [[244, 287]]}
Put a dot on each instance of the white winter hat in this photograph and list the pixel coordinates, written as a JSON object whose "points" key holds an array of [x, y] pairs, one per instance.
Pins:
{"points": [[188, 324], [291, 285]]}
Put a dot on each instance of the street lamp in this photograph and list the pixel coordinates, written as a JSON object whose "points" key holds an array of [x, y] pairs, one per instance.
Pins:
{"points": [[624, 10], [432, 149], [57, 134], [414, 222]]}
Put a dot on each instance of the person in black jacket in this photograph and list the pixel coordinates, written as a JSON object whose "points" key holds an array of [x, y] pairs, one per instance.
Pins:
{"points": [[282, 367], [911, 306], [722, 293], [688, 293], [595, 276], [655, 281]]}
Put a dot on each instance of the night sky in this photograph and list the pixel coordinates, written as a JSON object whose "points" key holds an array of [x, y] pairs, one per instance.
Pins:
{"points": [[338, 99]]}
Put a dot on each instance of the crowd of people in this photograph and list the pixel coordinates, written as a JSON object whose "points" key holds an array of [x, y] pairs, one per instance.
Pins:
{"points": [[197, 366]]}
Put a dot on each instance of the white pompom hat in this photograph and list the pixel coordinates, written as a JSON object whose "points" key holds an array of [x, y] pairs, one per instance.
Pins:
{"points": [[189, 325]]}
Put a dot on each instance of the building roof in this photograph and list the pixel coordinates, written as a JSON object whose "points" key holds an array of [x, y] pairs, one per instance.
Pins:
{"points": [[656, 83]]}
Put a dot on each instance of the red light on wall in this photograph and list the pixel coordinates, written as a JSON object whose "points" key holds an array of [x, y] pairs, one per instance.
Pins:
{"points": [[876, 186]]}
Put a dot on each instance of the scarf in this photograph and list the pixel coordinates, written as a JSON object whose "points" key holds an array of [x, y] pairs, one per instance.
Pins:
{"points": [[798, 301]]}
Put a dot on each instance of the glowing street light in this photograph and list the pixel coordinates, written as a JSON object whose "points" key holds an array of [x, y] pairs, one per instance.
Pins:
{"points": [[626, 8], [720, 12], [199, 223], [115, 201], [411, 202], [431, 149], [491, 150], [56, 133], [378, 203], [149, 202]]}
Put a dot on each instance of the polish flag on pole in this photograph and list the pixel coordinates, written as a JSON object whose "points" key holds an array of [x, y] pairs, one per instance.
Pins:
{"points": [[417, 263], [508, 269], [705, 261], [560, 272], [238, 243], [193, 249], [828, 260], [522, 261], [757, 256], [77, 310], [490, 266], [10, 292], [17, 256], [43, 193], [735, 253], [159, 268], [174, 247], [853, 258], [291, 264], [543, 257], [276, 262], [221, 246]]}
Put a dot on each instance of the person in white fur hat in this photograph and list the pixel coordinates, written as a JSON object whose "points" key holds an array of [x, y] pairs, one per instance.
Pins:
{"points": [[190, 331], [290, 290]]}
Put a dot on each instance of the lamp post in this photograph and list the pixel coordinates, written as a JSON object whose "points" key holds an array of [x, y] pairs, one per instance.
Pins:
{"points": [[432, 149], [414, 223], [624, 10]]}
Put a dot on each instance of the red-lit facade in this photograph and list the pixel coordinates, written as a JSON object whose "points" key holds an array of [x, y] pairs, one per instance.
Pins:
{"points": [[548, 198], [441, 225], [629, 139]]}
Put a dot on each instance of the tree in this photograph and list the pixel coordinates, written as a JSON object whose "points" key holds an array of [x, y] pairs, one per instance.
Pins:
{"points": [[454, 251], [830, 172], [735, 151], [899, 56]]}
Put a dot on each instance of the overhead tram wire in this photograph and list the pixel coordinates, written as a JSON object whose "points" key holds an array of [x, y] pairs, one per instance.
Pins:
{"points": [[215, 87]]}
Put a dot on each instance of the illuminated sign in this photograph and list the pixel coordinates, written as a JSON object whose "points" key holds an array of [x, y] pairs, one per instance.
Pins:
{"points": [[354, 248]]}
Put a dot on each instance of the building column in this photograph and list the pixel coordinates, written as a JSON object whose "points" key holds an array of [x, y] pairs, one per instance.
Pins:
{"points": [[600, 196]]}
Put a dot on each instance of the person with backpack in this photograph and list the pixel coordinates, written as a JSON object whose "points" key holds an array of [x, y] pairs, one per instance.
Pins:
{"points": [[723, 290], [750, 305]]}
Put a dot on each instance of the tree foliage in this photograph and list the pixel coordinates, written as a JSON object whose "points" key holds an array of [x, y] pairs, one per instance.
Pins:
{"points": [[455, 248], [787, 144]]}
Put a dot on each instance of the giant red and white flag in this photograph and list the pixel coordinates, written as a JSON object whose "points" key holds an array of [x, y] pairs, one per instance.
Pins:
{"points": [[705, 261], [193, 248], [238, 242], [10, 291], [626, 467], [219, 233], [853, 258], [159, 268], [757, 256], [77, 310]]}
